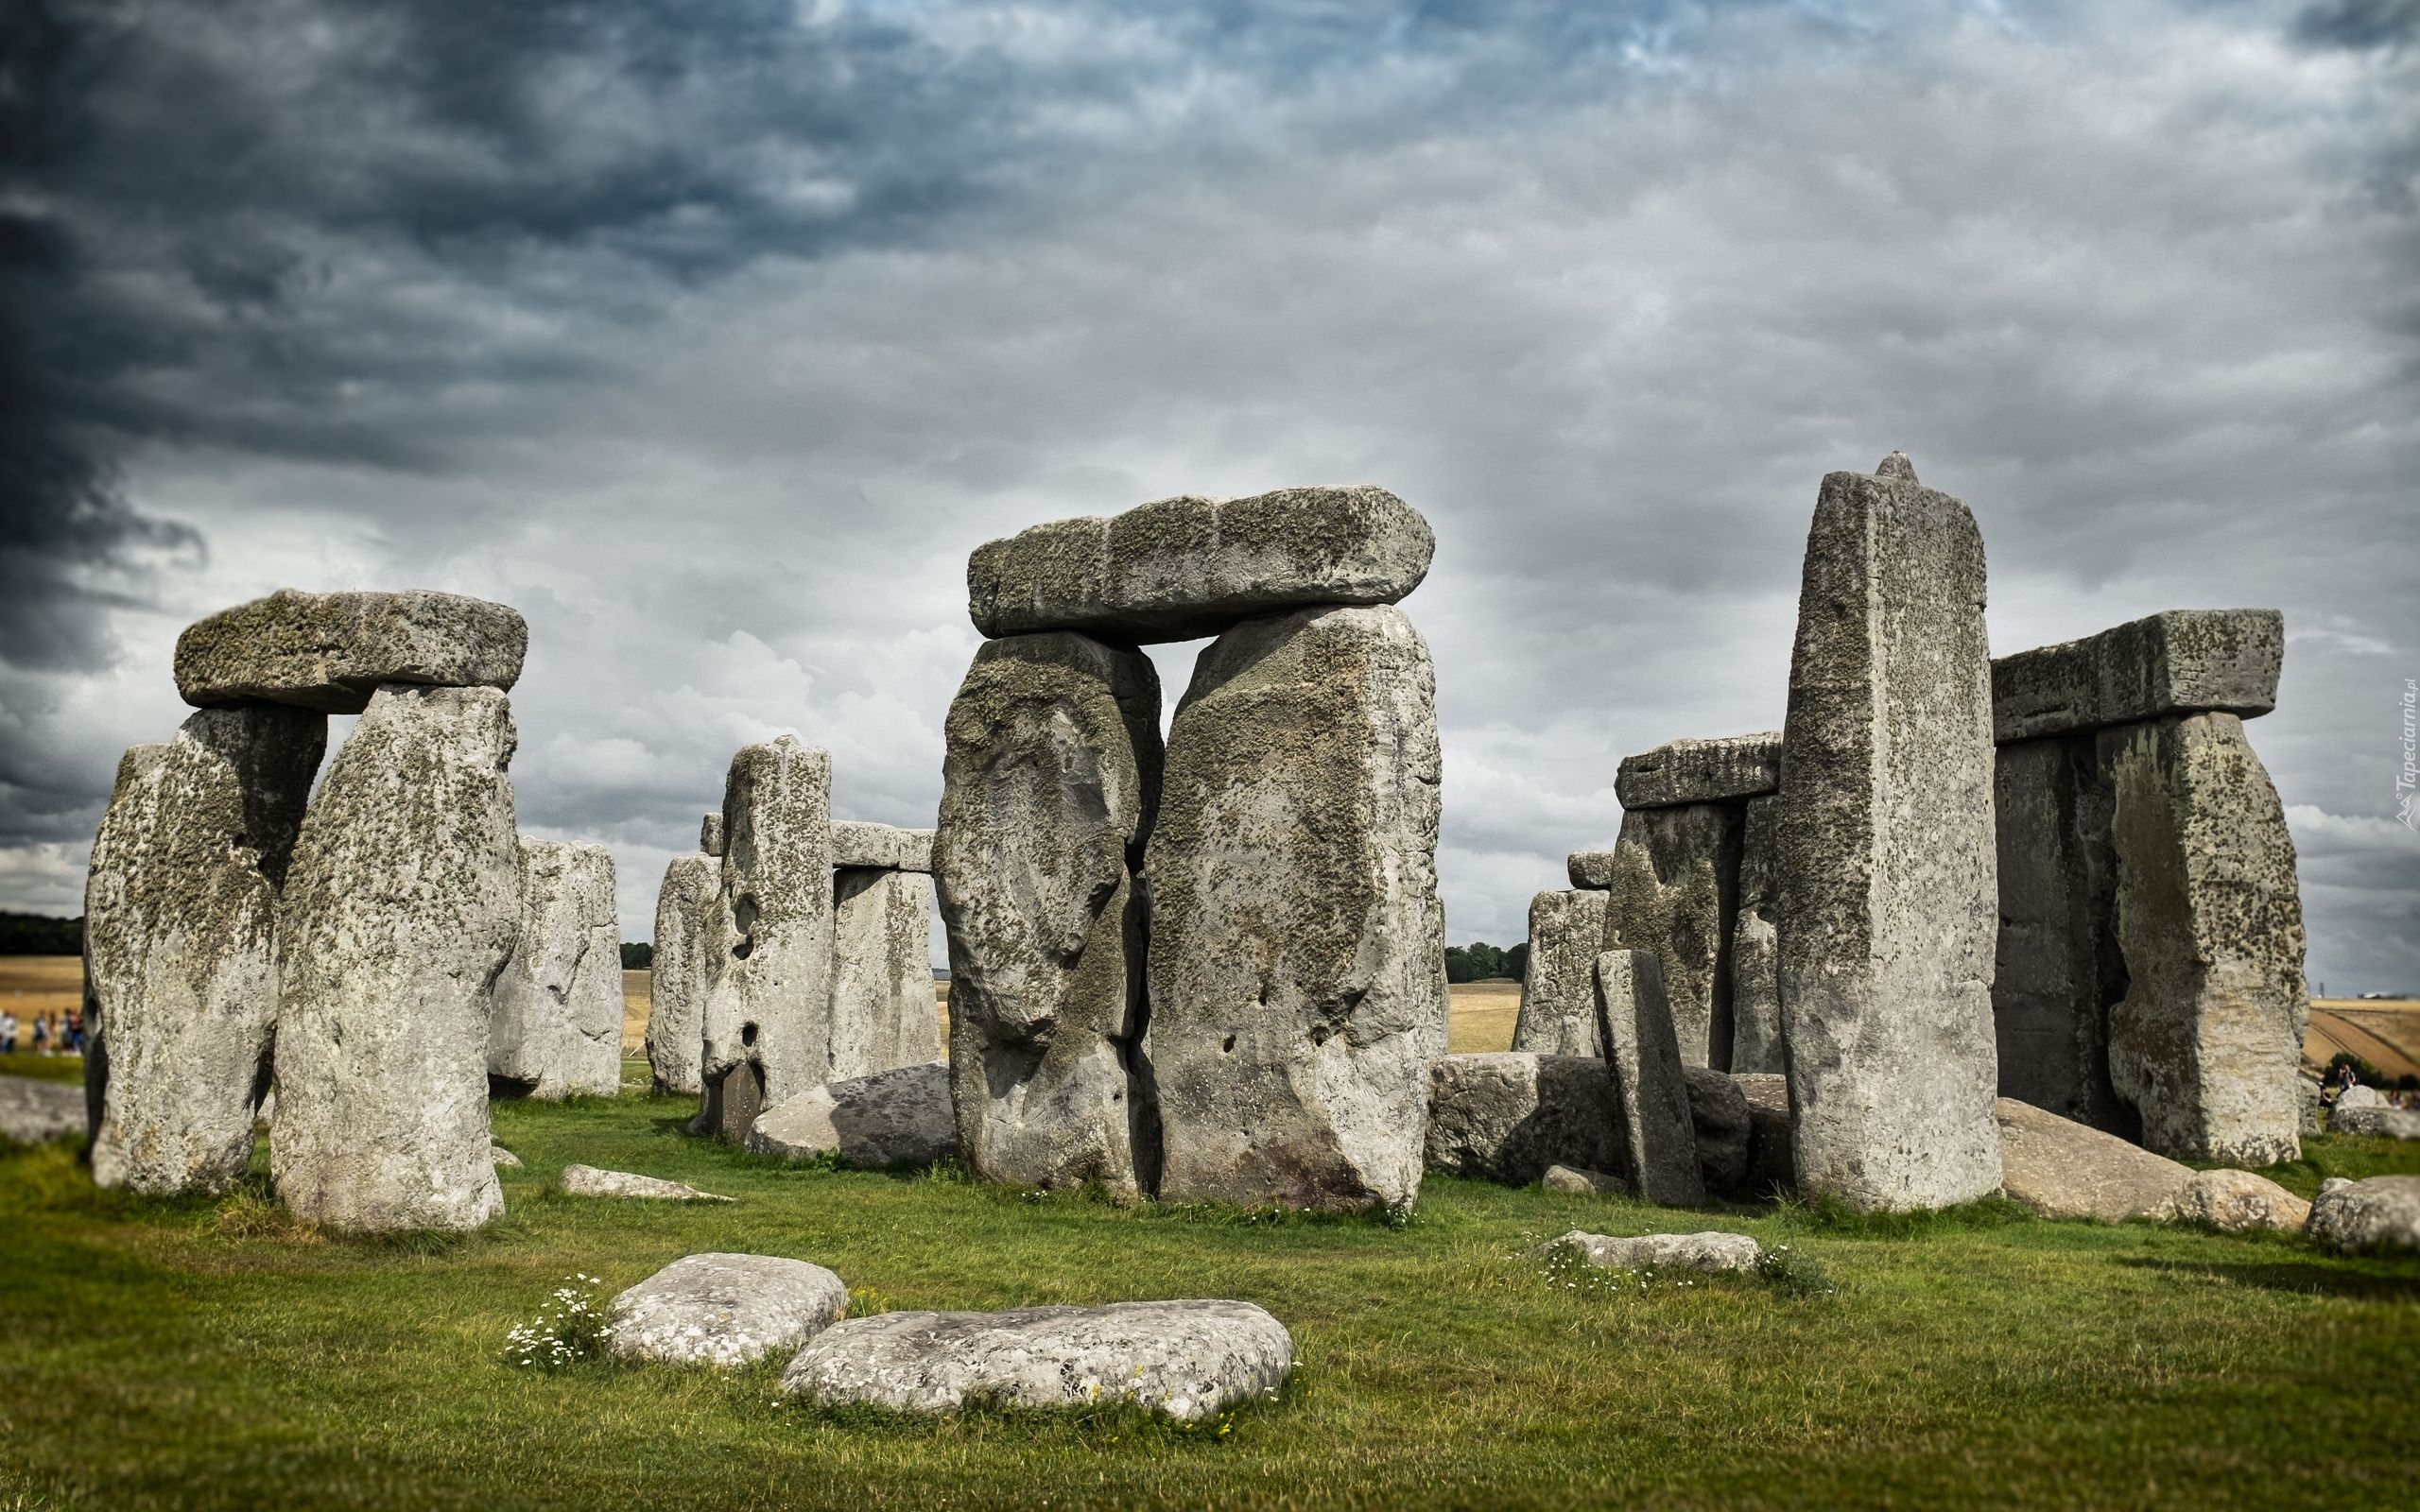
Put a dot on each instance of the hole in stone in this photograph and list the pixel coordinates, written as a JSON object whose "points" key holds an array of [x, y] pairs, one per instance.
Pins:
{"points": [[1230, 1046], [743, 915], [1320, 1034], [748, 1036]]}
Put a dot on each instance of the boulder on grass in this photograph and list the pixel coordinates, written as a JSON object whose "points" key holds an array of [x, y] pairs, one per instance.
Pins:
{"points": [[1577, 1181], [1186, 1359], [2378, 1123], [897, 1117], [2058, 1168], [726, 1310], [589, 1181], [2236, 1202], [2383, 1213], [1710, 1251], [36, 1113]]}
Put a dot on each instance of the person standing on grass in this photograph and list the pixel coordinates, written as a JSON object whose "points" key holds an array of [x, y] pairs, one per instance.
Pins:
{"points": [[74, 1031], [42, 1036], [7, 1032]]}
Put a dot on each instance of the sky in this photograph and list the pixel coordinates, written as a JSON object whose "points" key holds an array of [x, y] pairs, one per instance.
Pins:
{"points": [[713, 338]]}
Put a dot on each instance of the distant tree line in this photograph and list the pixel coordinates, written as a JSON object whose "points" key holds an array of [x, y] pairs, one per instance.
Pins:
{"points": [[41, 934], [637, 956], [1478, 961]]}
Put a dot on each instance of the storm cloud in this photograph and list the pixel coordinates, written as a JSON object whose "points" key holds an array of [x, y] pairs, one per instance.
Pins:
{"points": [[713, 337]]}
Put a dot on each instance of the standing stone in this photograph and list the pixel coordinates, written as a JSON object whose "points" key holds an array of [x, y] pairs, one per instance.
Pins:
{"points": [[180, 947], [1650, 1087], [2206, 1042], [1755, 964], [883, 1013], [1297, 961], [556, 1030], [710, 835], [400, 910], [1888, 903], [689, 946], [330, 651], [769, 1010], [1567, 931], [1048, 792], [1675, 886]]}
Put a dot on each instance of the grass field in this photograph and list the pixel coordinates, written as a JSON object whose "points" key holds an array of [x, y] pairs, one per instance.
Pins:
{"points": [[209, 1355]]}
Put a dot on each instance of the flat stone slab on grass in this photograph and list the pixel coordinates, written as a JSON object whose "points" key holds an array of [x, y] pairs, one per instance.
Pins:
{"points": [[330, 651], [2376, 1122], [1187, 1359], [36, 1113], [1578, 1181], [897, 1117], [589, 1181], [2058, 1168], [726, 1310], [2238, 1202], [2383, 1213], [1709, 1251]]}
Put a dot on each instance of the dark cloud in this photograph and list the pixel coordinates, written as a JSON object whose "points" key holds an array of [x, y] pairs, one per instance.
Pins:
{"points": [[2358, 25]]}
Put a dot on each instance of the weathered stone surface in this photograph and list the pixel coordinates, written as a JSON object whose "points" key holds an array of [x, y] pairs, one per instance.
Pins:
{"points": [[1507, 1116], [1186, 1359], [555, 1029], [901, 1116], [726, 1310], [2238, 1202], [400, 909], [2183, 661], [2058, 1168], [2378, 1123], [1591, 869], [1577, 1181], [2307, 1092], [2382, 1214], [330, 651], [710, 835], [1773, 1168], [1651, 1090], [1719, 1117], [1675, 885], [36, 1113], [499, 1156], [1048, 792], [690, 946], [1710, 1251], [2208, 918], [885, 847], [882, 973], [1188, 567], [2059, 969], [1887, 902], [2359, 1095], [769, 1005], [181, 944], [1701, 771], [590, 1181], [1567, 931], [1297, 962], [1755, 960]]}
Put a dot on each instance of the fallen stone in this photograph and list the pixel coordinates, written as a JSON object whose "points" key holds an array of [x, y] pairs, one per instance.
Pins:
{"points": [[1048, 789], [901, 1116], [2182, 661], [1187, 1359], [399, 911], [2378, 1123], [1650, 1091], [882, 973], [690, 946], [1297, 958], [1567, 931], [767, 1032], [498, 1155], [2208, 918], [726, 1310], [710, 835], [2057, 1168], [180, 945], [883, 846], [36, 1113], [1773, 1168], [1509, 1116], [2382, 1214], [556, 1030], [1887, 904], [2236, 1202], [1188, 567], [1675, 884], [1719, 1117], [1577, 1181], [1755, 960], [331, 651], [1710, 1251], [1701, 771], [590, 1182]]}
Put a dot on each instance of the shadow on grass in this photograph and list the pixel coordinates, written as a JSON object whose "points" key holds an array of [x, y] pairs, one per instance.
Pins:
{"points": [[1828, 1216], [2301, 1276], [1096, 1424]]}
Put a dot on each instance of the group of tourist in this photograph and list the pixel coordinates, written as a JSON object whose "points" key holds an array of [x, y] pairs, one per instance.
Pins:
{"points": [[50, 1034]]}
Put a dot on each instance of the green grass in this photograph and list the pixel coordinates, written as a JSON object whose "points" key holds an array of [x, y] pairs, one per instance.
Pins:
{"points": [[209, 1355], [43, 1068]]}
